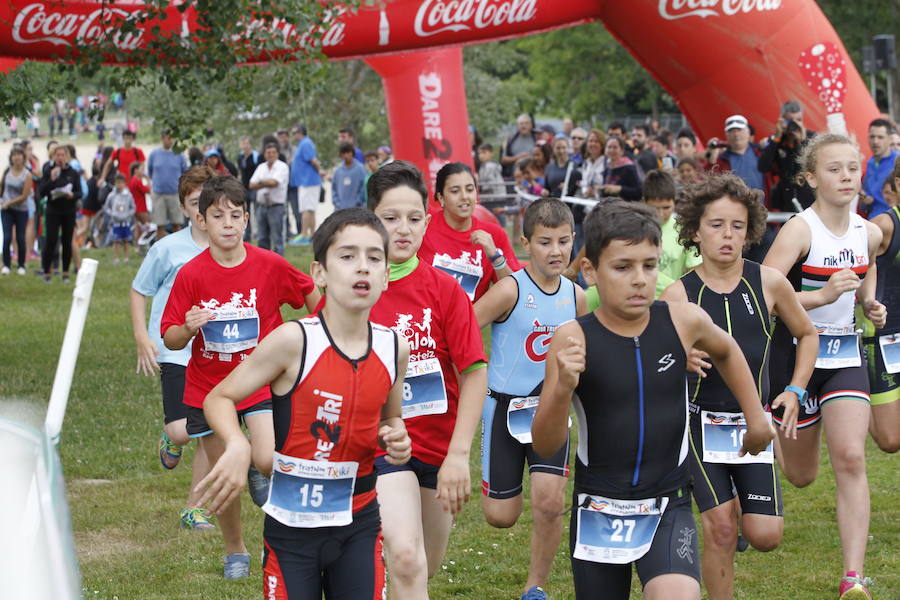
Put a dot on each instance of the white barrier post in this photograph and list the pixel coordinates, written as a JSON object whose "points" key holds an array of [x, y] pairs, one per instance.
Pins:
{"points": [[62, 383]]}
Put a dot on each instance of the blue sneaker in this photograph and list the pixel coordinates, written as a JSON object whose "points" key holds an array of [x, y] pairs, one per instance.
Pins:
{"points": [[169, 453], [258, 486], [534, 593], [237, 566], [298, 241], [196, 519]]}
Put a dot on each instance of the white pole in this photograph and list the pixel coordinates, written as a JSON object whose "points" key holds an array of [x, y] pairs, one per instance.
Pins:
{"points": [[62, 383]]}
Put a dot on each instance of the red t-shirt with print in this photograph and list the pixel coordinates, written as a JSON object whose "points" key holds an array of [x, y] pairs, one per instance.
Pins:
{"points": [[454, 253], [246, 301]]}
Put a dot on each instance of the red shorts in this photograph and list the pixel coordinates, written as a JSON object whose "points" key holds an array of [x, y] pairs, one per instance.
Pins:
{"points": [[87, 213]]}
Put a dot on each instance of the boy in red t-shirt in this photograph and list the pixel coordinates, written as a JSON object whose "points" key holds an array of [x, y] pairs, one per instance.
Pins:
{"points": [[139, 191], [227, 299], [474, 252], [444, 389], [337, 383]]}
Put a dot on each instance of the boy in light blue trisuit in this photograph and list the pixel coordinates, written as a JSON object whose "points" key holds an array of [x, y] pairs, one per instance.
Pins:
{"points": [[154, 280], [524, 310]]}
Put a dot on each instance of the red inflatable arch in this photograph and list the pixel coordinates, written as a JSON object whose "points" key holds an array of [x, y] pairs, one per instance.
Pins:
{"points": [[715, 57]]}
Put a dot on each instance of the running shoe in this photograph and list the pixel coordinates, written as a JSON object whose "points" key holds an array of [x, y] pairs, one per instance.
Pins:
{"points": [[196, 519], [237, 566], [21, 271], [742, 544], [4, 271], [855, 587], [298, 241], [534, 593], [65, 279], [258, 486], [169, 453]]}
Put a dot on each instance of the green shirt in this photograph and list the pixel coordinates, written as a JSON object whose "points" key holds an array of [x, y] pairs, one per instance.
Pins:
{"points": [[674, 259]]}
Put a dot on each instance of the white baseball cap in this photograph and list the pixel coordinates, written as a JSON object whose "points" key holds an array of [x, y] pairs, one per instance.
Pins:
{"points": [[736, 122]]}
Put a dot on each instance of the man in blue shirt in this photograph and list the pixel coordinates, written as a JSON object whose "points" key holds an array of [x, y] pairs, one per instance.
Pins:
{"points": [[164, 167], [741, 155], [306, 177], [347, 186], [878, 168]]}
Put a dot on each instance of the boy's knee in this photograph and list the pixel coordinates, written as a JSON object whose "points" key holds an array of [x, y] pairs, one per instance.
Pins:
{"points": [[407, 562]]}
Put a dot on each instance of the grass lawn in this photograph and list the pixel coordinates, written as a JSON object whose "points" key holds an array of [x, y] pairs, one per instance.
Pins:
{"points": [[125, 507]]}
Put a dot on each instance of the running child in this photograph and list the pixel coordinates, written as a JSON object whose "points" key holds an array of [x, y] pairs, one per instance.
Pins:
{"points": [[721, 217], [625, 363], [883, 345], [443, 393], [828, 255], [121, 208], [474, 252], [524, 310], [337, 382], [230, 294], [154, 280]]}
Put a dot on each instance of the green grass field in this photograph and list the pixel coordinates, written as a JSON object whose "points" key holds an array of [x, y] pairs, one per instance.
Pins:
{"points": [[125, 507]]}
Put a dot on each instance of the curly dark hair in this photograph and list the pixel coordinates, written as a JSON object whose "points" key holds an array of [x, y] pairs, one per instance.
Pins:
{"points": [[693, 200]]}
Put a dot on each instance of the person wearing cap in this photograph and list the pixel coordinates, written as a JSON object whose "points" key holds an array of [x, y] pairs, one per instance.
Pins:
{"points": [[121, 158], [741, 154], [213, 160], [384, 155], [548, 134], [779, 158]]}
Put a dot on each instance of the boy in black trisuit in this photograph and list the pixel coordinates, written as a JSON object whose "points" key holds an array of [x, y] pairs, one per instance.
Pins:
{"points": [[625, 363], [337, 383]]}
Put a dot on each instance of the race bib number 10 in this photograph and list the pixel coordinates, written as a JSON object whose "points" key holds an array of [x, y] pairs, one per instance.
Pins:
{"points": [[723, 436]]}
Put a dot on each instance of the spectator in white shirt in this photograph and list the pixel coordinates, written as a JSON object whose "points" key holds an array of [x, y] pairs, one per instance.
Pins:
{"points": [[270, 180]]}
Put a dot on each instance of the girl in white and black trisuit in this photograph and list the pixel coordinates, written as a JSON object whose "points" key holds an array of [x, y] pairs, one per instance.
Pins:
{"points": [[626, 364], [828, 254]]}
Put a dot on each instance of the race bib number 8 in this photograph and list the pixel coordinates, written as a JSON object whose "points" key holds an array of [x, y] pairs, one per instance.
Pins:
{"points": [[423, 389], [311, 493], [616, 531], [890, 352], [231, 331], [723, 436]]}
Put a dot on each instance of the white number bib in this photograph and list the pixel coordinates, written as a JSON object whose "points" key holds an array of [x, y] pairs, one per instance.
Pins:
{"points": [[423, 389], [723, 436], [890, 352], [838, 348], [232, 330], [616, 531], [520, 415], [465, 273], [311, 493]]}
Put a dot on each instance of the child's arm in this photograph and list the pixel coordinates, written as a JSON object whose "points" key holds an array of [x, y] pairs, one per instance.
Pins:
{"points": [[564, 364], [147, 352], [274, 361], [392, 435], [874, 310], [581, 306], [453, 483], [178, 336], [497, 302], [696, 329]]}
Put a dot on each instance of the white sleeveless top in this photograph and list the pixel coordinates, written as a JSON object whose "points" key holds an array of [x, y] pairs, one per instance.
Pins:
{"points": [[829, 253]]}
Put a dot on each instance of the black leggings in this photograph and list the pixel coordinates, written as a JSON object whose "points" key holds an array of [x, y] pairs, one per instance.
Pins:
{"points": [[56, 219], [19, 220]]}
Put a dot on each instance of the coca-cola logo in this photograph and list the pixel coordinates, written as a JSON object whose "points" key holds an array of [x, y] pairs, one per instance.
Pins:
{"points": [[679, 9], [439, 16], [35, 24]]}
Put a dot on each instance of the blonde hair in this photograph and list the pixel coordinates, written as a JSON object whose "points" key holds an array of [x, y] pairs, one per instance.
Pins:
{"points": [[810, 152]]}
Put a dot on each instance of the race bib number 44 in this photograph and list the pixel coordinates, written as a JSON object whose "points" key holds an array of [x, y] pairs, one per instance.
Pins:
{"points": [[231, 331], [723, 436], [616, 531], [311, 493], [423, 389]]}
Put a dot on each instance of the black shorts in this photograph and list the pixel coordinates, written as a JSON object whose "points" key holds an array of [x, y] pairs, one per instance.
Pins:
{"points": [[757, 486], [425, 473], [885, 387], [824, 386], [198, 427], [503, 457], [674, 550], [344, 563], [171, 376]]}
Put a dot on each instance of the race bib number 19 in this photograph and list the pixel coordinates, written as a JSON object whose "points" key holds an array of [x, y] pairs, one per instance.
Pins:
{"points": [[838, 348]]}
